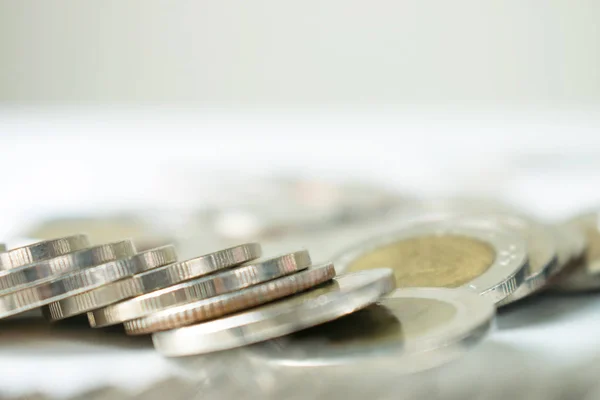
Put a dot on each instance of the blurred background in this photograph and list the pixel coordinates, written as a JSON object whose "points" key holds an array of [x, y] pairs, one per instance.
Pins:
{"points": [[167, 113]]}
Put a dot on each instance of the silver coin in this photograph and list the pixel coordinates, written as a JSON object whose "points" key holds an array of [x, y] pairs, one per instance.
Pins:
{"points": [[14, 258], [411, 329], [491, 262], [541, 247], [112, 292], [583, 274], [33, 274], [343, 295], [197, 289], [218, 306]]}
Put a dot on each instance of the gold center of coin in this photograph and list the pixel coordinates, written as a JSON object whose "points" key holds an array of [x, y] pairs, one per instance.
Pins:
{"points": [[430, 261]]}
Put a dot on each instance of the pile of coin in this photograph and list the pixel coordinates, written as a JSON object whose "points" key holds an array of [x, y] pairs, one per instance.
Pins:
{"points": [[451, 268], [208, 303]]}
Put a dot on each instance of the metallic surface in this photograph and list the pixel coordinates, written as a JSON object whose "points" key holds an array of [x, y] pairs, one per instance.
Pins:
{"points": [[64, 286], [197, 289], [343, 295], [218, 306], [33, 274], [414, 328], [540, 242], [14, 258], [583, 273], [502, 277], [112, 292]]}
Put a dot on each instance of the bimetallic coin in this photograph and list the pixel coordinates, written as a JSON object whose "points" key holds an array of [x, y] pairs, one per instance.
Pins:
{"points": [[218, 306], [412, 328], [40, 251], [197, 289], [345, 294], [491, 262], [583, 273], [64, 286], [33, 274], [112, 292], [540, 242]]}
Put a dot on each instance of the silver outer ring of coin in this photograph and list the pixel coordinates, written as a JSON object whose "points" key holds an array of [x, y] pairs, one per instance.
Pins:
{"points": [[209, 286], [112, 292], [472, 321], [502, 278], [346, 294], [34, 274], [545, 245], [40, 251], [65, 286], [216, 307]]}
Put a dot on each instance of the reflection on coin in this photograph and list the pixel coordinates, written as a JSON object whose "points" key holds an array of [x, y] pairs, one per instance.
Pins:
{"points": [[197, 289], [218, 306], [414, 328], [345, 294], [540, 243], [490, 262], [112, 292], [14, 258], [583, 274], [33, 274]]}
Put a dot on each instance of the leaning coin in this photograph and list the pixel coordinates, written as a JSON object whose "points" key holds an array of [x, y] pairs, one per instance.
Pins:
{"points": [[343, 295], [197, 289], [65, 286], [583, 274], [489, 261], [34, 274], [40, 251], [215, 307], [413, 328], [112, 292], [540, 242]]}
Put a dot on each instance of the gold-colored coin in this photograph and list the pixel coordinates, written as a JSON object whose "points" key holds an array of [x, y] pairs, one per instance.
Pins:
{"points": [[433, 261]]}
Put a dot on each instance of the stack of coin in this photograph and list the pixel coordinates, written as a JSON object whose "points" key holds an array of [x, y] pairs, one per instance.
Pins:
{"points": [[218, 299]]}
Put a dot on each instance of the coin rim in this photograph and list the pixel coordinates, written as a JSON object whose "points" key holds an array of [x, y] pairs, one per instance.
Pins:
{"points": [[280, 288], [112, 292], [20, 256], [242, 276], [45, 270]]}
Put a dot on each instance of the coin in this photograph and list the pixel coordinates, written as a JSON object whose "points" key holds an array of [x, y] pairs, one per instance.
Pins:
{"points": [[345, 294], [33, 274], [64, 286], [540, 242], [197, 289], [218, 306], [40, 251], [112, 292], [584, 272], [413, 328], [491, 262]]}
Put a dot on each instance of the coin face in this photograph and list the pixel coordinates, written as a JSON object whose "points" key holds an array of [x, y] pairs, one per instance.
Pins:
{"points": [[490, 261], [343, 295], [432, 322], [439, 261]]}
